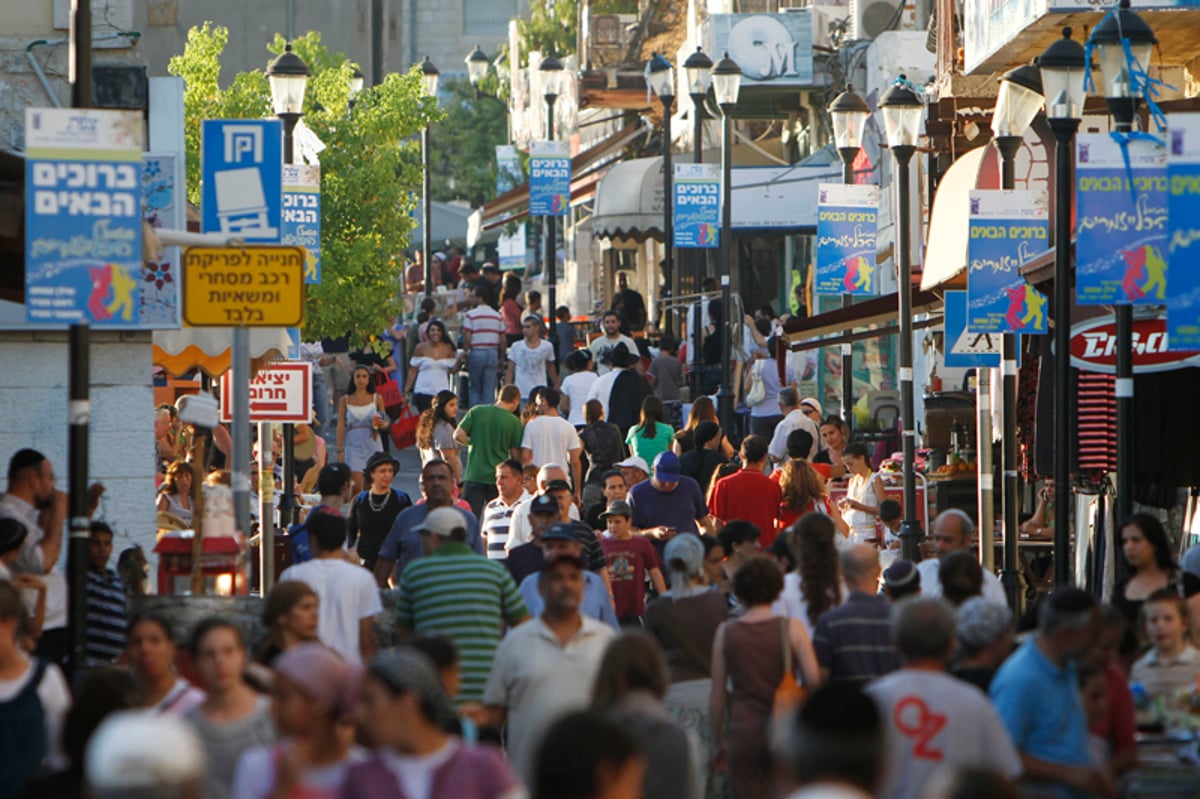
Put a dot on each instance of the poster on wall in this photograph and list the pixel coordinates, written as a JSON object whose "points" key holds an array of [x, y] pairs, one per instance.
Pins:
{"points": [[162, 207], [549, 178], [697, 208], [301, 225], [1007, 229], [1183, 223], [846, 223], [1121, 221]]}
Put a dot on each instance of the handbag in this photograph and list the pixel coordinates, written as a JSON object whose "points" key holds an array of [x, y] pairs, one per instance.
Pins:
{"points": [[404, 429], [389, 391], [789, 695], [758, 388]]}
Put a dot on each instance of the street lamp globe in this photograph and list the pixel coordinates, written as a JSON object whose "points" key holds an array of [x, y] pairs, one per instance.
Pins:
{"points": [[661, 77], [356, 82], [429, 78], [902, 111], [288, 78], [697, 68], [726, 82], [1118, 89], [477, 65], [1062, 66], [1017, 102], [849, 113], [551, 72]]}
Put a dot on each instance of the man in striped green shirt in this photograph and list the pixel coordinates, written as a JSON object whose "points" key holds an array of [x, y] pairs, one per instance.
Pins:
{"points": [[460, 594]]}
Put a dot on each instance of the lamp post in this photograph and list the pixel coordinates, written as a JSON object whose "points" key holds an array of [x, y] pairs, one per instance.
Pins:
{"points": [[288, 78], [902, 112], [429, 84], [1017, 103], [1062, 65], [477, 66], [726, 82], [662, 82], [357, 79], [849, 113], [698, 69], [551, 70], [1122, 100]]}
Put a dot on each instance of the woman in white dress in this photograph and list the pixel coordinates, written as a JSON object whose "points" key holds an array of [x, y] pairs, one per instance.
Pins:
{"points": [[360, 418], [431, 365], [864, 492]]}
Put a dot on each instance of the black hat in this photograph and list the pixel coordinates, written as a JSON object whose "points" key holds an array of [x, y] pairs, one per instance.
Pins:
{"points": [[561, 531], [543, 503], [620, 356], [378, 459]]}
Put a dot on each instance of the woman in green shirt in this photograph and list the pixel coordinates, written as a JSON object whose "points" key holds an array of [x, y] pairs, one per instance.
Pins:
{"points": [[653, 435]]}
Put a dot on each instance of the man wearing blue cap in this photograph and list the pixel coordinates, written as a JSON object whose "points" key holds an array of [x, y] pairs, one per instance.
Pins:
{"points": [[668, 502]]}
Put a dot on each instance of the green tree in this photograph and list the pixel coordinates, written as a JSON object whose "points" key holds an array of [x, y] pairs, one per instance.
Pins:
{"points": [[370, 169], [463, 157]]}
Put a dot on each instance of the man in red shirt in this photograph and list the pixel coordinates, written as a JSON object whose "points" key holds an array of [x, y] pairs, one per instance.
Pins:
{"points": [[749, 494]]}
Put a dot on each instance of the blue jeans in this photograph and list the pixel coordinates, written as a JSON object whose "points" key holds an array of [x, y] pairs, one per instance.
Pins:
{"points": [[322, 403], [482, 365]]}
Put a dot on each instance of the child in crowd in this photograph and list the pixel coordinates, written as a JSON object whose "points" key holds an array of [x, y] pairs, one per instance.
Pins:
{"points": [[630, 559], [1172, 664]]}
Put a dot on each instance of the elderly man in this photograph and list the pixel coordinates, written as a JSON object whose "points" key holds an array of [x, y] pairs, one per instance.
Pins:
{"points": [[794, 418], [934, 720], [853, 641], [634, 470], [518, 529], [669, 502], [953, 531]]}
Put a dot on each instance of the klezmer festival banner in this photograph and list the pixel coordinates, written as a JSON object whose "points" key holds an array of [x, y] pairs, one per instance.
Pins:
{"points": [[847, 216], [1007, 229]]}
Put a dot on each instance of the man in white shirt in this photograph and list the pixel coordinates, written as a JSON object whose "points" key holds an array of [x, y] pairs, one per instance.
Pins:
{"points": [[953, 530], [549, 438], [602, 347], [518, 531], [497, 514], [932, 720], [348, 598], [794, 418]]}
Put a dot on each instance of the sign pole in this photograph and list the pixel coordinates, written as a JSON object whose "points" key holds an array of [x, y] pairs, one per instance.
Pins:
{"points": [[78, 412], [240, 456], [266, 494]]}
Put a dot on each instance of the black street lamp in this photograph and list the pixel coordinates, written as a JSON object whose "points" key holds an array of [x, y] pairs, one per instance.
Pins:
{"points": [[726, 82], [662, 82], [288, 78], [698, 71], [429, 84], [1062, 67], [477, 66], [1017, 103], [902, 112], [849, 113], [551, 71], [1122, 99], [357, 79]]}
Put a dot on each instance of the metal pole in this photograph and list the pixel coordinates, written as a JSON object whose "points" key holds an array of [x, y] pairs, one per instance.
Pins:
{"points": [[551, 243], [1010, 577], [669, 271], [698, 254], [289, 128], [427, 212], [287, 501], [78, 413], [848, 155], [81, 55], [910, 532], [1064, 135], [240, 457], [1124, 392], [266, 497], [725, 392]]}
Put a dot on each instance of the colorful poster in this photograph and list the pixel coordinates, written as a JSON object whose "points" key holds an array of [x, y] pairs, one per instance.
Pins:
{"points": [[846, 222], [1007, 229], [1121, 222], [1183, 223], [83, 216], [302, 215], [509, 174], [549, 178], [162, 207], [697, 220]]}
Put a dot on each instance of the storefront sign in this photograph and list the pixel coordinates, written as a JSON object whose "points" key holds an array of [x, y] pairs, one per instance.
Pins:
{"points": [[1094, 347], [281, 392], [1007, 229], [1183, 204], [83, 217], [242, 164], [302, 215], [1121, 226], [697, 205], [846, 223], [549, 178], [252, 286], [771, 49]]}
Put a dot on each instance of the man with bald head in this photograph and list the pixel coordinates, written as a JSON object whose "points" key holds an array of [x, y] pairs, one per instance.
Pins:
{"points": [[853, 642], [953, 530]]}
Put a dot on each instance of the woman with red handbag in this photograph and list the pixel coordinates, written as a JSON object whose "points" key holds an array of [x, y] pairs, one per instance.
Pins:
{"points": [[360, 418]]}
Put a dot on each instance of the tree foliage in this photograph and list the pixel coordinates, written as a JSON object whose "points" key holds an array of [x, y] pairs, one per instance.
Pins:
{"points": [[463, 157], [370, 169], [552, 27]]}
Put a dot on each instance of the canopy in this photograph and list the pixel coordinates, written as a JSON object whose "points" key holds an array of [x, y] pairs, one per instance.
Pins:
{"points": [[629, 201], [207, 348], [949, 225]]}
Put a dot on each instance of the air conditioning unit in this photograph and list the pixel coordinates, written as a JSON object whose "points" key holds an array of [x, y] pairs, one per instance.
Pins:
{"points": [[869, 18]]}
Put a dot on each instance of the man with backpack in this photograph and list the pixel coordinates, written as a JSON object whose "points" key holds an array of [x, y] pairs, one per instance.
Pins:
{"points": [[373, 511]]}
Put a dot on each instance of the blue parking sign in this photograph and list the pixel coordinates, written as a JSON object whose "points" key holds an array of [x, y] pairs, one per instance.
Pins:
{"points": [[243, 178]]}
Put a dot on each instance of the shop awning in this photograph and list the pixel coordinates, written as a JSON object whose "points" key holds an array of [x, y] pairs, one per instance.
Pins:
{"points": [[946, 255], [207, 348], [629, 201], [868, 319]]}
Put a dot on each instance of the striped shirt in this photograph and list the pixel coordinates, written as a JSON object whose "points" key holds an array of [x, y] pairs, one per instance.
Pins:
{"points": [[457, 593], [497, 518], [485, 325], [107, 618], [854, 641]]}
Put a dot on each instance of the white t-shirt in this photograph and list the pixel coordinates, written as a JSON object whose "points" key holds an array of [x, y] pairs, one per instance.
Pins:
{"points": [[518, 531], [603, 345], [254, 777], [550, 439], [933, 720], [576, 387], [346, 594], [31, 562], [529, 364], [55, 697], [602, 388], [791, 602], [793, 421], [932, 586], [415, 772]]}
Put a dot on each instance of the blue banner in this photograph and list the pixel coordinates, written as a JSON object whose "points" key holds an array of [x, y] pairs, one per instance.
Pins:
{"points": [[847, 216], [302, 215], [242, 173], [1007, 229], [1183, 204], [549, 178], [1121, 221], [83, 216], [963, 348], [697, 221]]}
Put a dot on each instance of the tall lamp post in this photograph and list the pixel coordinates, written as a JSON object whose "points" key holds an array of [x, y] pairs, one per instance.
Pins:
{"points": [[1122, 99], [726, 82], [1062, 66], [1017, 103], [429, 84], [698, 69], [551, 70], [849, 113], [477, 66], [902, 112], [288, 78], [662, 82]]}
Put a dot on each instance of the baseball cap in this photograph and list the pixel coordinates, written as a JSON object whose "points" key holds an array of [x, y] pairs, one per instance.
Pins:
{"points": [[617, 507], [442, 521], [557, 485], [543, 503], [666, 467], [633, 461], [560, 531], [902, 573], [134, 751], [812, 403]]}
